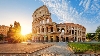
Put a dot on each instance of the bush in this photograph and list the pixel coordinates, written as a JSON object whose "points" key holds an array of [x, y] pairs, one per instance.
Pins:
{"points": [[83, 47]]}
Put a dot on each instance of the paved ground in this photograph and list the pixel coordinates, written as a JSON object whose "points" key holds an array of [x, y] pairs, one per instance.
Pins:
{"points": [[20, 47], [59, 49]]}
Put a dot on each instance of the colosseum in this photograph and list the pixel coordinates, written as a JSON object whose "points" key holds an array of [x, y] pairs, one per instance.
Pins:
{"points": [[44, 30]]}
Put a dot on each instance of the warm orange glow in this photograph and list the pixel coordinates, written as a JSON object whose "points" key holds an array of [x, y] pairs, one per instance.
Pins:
{"points": [[25, 30]]}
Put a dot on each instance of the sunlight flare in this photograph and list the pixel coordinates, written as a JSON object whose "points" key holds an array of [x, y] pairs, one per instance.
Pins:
{"points": [[25, 30]]}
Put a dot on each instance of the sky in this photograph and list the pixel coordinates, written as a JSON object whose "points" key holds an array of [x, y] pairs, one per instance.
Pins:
{"points": [[83, 12]]}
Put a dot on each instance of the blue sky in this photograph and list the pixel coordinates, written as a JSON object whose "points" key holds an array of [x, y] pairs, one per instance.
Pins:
{"points": [[84, 12]]}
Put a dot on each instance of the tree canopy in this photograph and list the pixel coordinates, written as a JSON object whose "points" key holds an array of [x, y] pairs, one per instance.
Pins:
{"points": [[1, 36], [98, 29], [98, 33]]}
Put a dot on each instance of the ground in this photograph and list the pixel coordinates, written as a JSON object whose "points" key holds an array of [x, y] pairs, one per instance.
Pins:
{"points": [[22, 49]]}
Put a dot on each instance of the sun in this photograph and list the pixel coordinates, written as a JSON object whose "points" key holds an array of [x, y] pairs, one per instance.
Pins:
{"points": [[25, 31]]}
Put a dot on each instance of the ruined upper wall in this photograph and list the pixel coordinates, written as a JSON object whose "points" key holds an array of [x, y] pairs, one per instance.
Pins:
{"points": [[41, 11]]}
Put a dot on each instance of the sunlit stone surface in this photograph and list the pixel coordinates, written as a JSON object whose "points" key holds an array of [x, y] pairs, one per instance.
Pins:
{"points": [[44, 29], [59, 49]]}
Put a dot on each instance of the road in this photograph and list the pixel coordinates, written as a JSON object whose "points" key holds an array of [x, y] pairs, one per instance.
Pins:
{"points": [[59, 49]]}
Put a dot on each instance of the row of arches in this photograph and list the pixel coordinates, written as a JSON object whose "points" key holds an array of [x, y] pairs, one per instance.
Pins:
{"points": [[42, 29], [51, 39]]}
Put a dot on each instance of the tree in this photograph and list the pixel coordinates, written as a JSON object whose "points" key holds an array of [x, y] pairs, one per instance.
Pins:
{"points": [[98, 33], [98, 29], [1, 36], [88, 36], [14, 33]]}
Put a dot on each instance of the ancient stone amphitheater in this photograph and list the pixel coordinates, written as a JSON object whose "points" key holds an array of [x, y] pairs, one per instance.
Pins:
{"points": [[43, 29]]}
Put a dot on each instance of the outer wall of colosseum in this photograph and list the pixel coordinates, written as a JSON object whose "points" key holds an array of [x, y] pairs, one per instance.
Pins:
{"points": [[43, 29]]}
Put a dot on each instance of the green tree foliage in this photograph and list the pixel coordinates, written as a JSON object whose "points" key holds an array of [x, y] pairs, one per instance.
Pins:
{"points": [[97, 36], [98, 29], [1, 36], [90, 36]]}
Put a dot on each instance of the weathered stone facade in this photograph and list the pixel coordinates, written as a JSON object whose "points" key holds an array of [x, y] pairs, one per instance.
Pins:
{"points": [[43, 29], [4, 29]]}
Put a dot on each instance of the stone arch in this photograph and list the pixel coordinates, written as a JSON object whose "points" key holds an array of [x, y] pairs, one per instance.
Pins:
{"points": [[57, 39], [62, 30], [62, 38], [67, 39], [38, 29], [35, 31], [42, 29], [47, 29], [75, 39], [51, 29], [46, 38], [58, 29], [51, 38]]}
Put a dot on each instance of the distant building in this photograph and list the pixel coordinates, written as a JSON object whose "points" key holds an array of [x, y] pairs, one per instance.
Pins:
{"points": [[4, 29], [43, 29]]}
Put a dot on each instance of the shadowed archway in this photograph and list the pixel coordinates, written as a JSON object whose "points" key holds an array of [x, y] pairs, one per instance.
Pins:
{"points": [[57, 39], [67, 39]]}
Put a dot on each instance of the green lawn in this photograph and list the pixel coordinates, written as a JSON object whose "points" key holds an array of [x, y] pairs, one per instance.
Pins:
{"points": [[83, 47]]}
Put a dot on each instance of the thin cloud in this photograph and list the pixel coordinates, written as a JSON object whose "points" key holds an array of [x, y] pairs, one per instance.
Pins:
{"points": [[65, 12], [85, 4]]}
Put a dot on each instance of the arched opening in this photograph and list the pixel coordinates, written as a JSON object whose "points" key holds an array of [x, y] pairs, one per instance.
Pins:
{"points": [[51, 29], [47, 29], [57, 39], [39, 39], [42, 39], [42, 29], [75, 32], [63, 39], [51, 37], [78, 39], [58, 29], [46, 38], [75, 39], [72, 31], [67, 39], [62, 30]]}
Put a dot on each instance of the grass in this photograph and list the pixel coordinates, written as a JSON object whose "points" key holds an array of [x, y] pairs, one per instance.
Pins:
{"points": [[84, 47]]}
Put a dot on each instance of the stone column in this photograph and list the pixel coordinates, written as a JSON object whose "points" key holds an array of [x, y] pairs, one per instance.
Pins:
{"points": [[49, 29], [77, 34], [50, 20], [45, 21], [49, 39], [54, 29], [45, 29], [40, 29], [54, 38], [65, 29], [71, 32], [81, 36], [59, 38]]}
